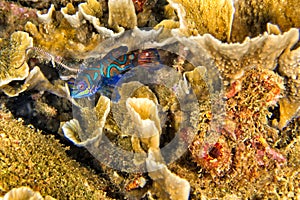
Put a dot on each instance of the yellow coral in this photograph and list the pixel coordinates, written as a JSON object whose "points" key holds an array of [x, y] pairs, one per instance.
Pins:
{"points": [[200, 17], [12, 65], [252, 16], [93, 7], [60, 38], [23, 193], [122, 13], [288, 110]]}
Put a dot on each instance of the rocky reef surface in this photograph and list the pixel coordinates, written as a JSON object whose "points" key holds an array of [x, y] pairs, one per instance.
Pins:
{"points": [[214, 114]]}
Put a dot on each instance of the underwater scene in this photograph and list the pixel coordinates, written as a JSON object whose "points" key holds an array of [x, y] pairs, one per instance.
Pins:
{"points": [[149, 99]]}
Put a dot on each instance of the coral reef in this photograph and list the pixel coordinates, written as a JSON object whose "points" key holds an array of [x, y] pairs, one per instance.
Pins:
{"points": [[61, 39], [166, 184], [224, 124]]}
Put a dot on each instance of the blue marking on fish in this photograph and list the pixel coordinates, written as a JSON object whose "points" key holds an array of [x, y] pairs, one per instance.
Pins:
{"points": [[104, 74]]}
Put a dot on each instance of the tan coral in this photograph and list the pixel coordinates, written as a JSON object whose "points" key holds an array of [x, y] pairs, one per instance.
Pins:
{"points": [[144, 114], [46, 18], [288, 110], [289, 67], [196, 78], [12, 65], [92, 15], [167, 185], [60, 38], [121, 13], [92, 134], [70, 36], [233, 60], [200, 17], [69, 14], [22, 193], [15, 90], [121, 115], [252, 16], [37, 80], [92, 8]]}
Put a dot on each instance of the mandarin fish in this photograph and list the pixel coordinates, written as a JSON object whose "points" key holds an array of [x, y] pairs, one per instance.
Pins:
{"points": [[105, 73]]}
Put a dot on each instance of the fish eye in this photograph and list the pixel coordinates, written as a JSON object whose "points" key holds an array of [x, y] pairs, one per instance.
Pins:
{"points": [[81, 86]]}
